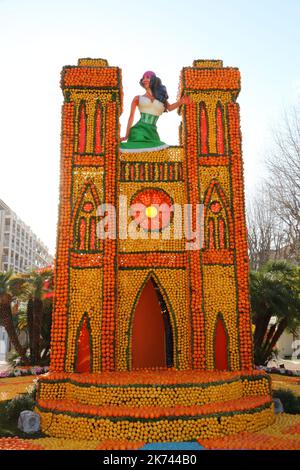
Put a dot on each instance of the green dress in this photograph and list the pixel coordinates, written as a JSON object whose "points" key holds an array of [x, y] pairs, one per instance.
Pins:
{"points": [[143, 136]]}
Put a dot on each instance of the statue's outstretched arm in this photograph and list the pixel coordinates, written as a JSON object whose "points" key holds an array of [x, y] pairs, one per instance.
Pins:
{"points": [[183, 100]]}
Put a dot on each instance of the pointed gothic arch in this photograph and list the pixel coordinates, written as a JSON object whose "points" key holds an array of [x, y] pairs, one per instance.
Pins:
{"points": [[99, 127], [216, 209], [221, 344], [151, 297], [83, 346], [220, 129], [84, 219], [82, 127], [203, 131], [222, 233]]}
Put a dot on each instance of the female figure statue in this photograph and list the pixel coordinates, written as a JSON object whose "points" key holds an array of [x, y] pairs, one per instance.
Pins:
{"points": [[143, 136]]}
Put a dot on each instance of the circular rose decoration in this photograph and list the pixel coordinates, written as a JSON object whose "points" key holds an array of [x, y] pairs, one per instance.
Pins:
{"points": [[215, 207], [152, 209], [88, 207]]}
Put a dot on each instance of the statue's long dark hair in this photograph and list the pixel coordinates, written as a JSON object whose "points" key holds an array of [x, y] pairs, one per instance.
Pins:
{"points": [[158, 89]]}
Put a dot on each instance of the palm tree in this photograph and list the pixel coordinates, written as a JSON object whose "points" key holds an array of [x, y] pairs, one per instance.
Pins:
{"points": [[274, 293], [9, 285], [35, 311]]}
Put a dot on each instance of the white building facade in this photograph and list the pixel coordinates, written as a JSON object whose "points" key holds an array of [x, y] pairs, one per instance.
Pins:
{"points": [[289, 345], [20, 249]]}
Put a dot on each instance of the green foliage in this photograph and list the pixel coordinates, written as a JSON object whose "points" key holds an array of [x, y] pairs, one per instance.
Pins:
{"points": [[47, 321], [10, 411], [4, 282], [22, 320], [19, 287], [25, 401], [274, 291], [13, 358], [36, 280], [289, 400], [8, 320], [7, 428], [31, 288], [39, 317]]}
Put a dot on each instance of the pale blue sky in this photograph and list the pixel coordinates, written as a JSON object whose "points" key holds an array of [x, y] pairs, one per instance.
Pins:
{"points": [[37, 38]]}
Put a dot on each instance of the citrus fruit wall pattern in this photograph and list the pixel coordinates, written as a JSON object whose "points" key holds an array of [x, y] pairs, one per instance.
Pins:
{"points": [[203, 293]]}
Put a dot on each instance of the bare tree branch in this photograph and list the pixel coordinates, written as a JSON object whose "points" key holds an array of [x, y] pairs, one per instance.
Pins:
{"points": [[284, 180]]}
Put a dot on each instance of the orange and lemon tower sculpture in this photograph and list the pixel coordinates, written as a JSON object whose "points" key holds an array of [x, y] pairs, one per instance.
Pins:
{"points": [[151, 341]]}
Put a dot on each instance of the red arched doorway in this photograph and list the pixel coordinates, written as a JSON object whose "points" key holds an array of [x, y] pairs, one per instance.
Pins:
{"points": [[83, 360], [152, 343], [221, 345]]}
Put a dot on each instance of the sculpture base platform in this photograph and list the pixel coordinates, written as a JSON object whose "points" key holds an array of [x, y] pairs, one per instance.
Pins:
{"points": [[161, 405]]}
